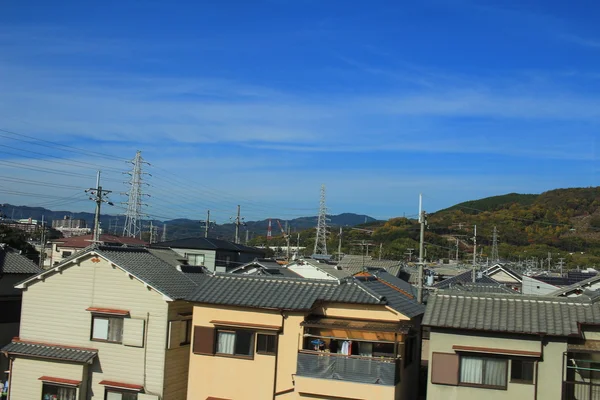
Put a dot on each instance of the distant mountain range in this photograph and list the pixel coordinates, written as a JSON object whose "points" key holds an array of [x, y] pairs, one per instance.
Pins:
{"points": [[183, 227]]}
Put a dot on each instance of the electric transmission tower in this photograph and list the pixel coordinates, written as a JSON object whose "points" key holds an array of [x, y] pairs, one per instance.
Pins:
{"points": [[133, 215], [495, 256], [321, 238]]}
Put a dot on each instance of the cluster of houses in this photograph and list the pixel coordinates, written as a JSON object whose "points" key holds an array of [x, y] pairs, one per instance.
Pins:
{"points": [[208, 319]]}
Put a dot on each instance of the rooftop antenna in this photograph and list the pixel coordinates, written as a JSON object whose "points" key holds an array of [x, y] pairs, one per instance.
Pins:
{"points": [[321, 238]]}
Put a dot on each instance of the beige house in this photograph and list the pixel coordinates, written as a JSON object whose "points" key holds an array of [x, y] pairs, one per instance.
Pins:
{"points": [[263, 337], [505, 346], [63, 248], [108, 323]]}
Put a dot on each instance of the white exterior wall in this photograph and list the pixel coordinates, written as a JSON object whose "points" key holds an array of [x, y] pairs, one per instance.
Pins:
{"points": [[26, 384], [534, 286], [54, 311], [310, 272]]}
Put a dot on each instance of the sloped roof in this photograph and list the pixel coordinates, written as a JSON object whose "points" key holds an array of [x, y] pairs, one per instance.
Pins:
{"points": [[80, 242], [144, 265], [355, 264], [480, 287], [11, 262], [501, 267], [575, 286], [521, 314], [265, 267], [208, 244], [399, 295], [279, 293], [465, 277], [52, 351]]}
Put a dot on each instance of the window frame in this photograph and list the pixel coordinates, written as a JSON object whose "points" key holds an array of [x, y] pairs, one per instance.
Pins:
{"points": [[108, 317], [58, 385], [483, 385], [119, 390], [187, 323], [235, 332], [523, 362], [266, 352]]}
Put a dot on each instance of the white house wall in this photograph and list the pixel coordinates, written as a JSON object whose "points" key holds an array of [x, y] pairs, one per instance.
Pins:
{"points": [[534, 286], [310, 272]]}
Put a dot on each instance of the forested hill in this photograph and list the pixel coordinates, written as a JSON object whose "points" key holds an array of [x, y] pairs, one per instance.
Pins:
{"points": [[562, 222]]}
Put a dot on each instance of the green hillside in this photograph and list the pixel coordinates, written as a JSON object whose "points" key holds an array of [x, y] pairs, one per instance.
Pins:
{"points": [[562, 222]]}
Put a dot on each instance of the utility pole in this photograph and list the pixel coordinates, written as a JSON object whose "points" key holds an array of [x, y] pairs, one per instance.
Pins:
{"points": [[207, 223], [340, 245], [380, 250], [287, 240], [164, 233], [247, 237], [238, 221], [422, 222], [298, 245], [561, 263], [409, 254], [457, 242], [495, 255], [43, 240], [98, 195], [151, 233]]}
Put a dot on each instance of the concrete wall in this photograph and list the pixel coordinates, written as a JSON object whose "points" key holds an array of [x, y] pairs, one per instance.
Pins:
{"points": [[549, 367], [54, 311]]}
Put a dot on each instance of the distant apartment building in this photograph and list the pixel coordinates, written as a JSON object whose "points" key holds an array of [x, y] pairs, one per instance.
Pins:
{"points": [[71, 226], [27, 225]]}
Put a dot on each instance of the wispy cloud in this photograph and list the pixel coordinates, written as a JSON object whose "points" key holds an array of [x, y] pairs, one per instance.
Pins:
{"points": [[582, 41]]}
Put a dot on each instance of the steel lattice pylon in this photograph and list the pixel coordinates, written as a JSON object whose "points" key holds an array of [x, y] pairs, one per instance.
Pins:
{"points": [[321, 238], [495, 256], [133, 215]]}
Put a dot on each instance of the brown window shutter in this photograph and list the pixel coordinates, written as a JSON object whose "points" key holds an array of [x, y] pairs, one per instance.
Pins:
{"points": [[204, 340], [445, 368]]}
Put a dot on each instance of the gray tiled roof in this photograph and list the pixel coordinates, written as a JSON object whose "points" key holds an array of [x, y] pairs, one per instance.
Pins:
{"points": [[151, 269], [554, 316], [578, 285], [329, 269], [355, 264], [399, 295], [147, 267], [57, 352], [480, 287], [279, 293], [208, 244], [464, 277], [11, 262]]}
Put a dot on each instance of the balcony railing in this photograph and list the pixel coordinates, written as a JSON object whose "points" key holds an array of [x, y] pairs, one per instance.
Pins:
{"points": [[348, 368], [581, 391]]}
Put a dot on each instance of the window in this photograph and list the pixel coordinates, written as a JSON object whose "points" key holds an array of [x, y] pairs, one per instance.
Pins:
{"points": [[108, 329], [186, 332], [409, 351], [235, 342], [195, 259], [58, 392], [266, 344], [66, 254], [118, 394], [483, 371], [521, 371]]}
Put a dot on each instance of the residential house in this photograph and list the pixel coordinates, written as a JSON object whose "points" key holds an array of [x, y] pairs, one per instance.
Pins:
{"points": [[264, 266], [214, 254], [286, 338], [14, 267], [107, 323], [65, 247], [532, 285], [578, 288], [510, 346], [316, 269], [506, 276], [356, 263], [469, 276]]}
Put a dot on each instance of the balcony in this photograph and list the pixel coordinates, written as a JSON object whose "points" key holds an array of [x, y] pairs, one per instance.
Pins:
{"points": [[375, 371], [581, 391]]}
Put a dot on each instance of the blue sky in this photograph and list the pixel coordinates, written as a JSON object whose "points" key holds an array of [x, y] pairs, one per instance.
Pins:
{"points": [[260, 102]]}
